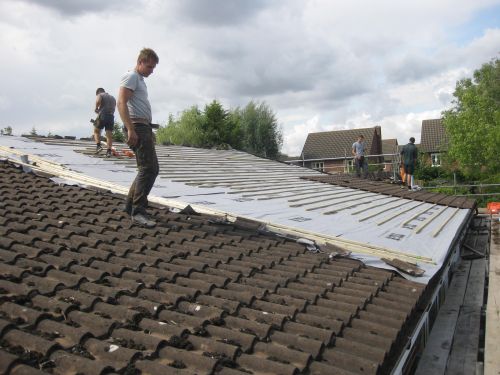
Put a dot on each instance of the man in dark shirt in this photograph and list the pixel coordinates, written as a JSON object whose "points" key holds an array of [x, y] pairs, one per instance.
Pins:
{"points": [[105, 105], [409, 159]]}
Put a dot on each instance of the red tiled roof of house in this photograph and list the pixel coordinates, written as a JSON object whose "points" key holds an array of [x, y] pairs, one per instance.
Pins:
{"points": [[389, 146], [433, 136], [338, 144]]}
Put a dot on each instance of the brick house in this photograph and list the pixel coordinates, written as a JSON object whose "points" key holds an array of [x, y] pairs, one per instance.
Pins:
{"points": [[390, 151], [433, 142], [330, 151]]}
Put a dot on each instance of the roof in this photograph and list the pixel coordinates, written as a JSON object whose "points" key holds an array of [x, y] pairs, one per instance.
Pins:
{"points": [[389, 146], [338, 144], [84, 291], [236, 185], [395, 190], [433, 136]]}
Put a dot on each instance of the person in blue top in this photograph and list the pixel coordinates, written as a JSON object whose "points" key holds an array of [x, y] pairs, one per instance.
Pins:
{"points": [[359, 151], [409, 156]]}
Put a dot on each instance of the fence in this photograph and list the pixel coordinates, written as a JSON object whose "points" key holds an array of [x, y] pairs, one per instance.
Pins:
{"points": [[347, 165], [456, 186]]}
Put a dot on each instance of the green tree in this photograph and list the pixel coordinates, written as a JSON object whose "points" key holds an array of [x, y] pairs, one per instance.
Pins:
{"points": [[473, 123], [213, 125], [261, 134], [33, 131], [118, 135], [186, 131], [234, 135], [253, 129], [6, 131]]}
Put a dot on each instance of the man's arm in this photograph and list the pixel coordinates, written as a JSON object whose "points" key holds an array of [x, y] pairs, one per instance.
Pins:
{"points": [[124, 96], [98, 101], [353, 150]]}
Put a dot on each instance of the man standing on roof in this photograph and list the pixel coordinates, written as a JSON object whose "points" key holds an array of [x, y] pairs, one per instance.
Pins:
{"points": [[358, 151], [135, 112], [105, 105], [409, 159]]}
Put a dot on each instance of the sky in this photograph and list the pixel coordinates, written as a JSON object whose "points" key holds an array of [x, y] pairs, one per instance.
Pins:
{"points": [[320, 65]]}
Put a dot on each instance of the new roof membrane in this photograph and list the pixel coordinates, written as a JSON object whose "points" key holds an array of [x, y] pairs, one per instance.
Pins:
{"points": [[235, 184]]}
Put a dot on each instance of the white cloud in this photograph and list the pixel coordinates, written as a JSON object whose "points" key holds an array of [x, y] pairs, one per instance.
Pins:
{"points": [[294, 139]]}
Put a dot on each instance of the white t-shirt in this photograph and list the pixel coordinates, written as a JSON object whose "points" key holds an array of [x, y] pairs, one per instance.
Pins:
{"points": [[138, 105]]}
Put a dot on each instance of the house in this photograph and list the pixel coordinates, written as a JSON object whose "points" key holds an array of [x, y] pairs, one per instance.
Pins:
{"points": [[390, 153], [331, 151], [433, 141]]}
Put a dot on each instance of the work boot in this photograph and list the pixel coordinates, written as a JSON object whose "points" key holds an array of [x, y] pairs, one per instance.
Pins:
{"points": [[98, 148], [108, 153], [142, 220], [127, 207]]}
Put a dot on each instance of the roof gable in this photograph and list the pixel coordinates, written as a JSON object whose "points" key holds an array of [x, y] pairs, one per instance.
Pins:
{"points": [[338, 144], [433, 136]]}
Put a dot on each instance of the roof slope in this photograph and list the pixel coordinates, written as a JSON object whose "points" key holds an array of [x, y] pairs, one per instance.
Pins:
{"points": [[433, 136], [393, 190], [389, 146], [83, 291], [338, 144], [238, 185]]}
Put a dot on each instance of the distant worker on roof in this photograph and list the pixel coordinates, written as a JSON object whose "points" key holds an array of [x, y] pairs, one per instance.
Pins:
{"points": [[105, 105], [409, 156], [359, 151], [135, 112]]}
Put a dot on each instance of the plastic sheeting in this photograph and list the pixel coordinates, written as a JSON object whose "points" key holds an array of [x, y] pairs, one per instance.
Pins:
{"points": [[398, 224]]}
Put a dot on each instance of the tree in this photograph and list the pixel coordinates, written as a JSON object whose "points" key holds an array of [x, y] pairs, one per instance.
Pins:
{"points": [[234, 135], [118, 135], [186, 131], [261, 133], [33, 132], [473, 124], [6, 131], [253, 129]]}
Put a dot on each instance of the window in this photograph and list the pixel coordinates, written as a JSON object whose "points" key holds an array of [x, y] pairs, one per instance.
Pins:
{"points": [[436, 160], [318, 165]]}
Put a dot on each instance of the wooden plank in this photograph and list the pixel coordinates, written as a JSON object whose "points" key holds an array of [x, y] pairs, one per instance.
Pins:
{"points": [[463, 357], [492, 341], [437, 350], [474, 296], [464, 352]]}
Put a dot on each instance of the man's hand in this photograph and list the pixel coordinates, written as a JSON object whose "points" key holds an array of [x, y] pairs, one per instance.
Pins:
{"points": [[132, 138]]}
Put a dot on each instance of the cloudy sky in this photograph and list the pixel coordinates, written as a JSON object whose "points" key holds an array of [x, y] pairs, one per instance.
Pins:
{"points": [[320, 64]]}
